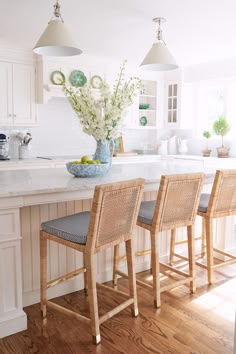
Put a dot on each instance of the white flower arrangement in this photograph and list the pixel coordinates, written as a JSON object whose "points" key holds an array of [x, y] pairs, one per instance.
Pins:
{"points": [[102, 117]]}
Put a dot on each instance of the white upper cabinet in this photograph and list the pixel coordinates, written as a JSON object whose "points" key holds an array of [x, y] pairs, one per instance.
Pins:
{"points": [[6, 117], [17, 95], [173, 88]]}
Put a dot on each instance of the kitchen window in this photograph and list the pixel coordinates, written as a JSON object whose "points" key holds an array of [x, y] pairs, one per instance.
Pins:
{"points": [[212, 101]]}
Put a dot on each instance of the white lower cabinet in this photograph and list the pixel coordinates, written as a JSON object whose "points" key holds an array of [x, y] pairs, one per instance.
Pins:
{"points": [[12, 317], [17, 95]]}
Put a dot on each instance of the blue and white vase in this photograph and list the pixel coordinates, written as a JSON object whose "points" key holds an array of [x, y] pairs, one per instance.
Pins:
{"points": [[104, 151]]}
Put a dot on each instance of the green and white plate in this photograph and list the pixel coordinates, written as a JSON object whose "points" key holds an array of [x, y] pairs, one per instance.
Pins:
{"points": [[96, 81], [143, 121], [77, 78], [57, 77]]}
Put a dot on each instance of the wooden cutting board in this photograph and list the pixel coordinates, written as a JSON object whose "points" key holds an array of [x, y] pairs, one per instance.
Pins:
{"points": [[122, 154]]}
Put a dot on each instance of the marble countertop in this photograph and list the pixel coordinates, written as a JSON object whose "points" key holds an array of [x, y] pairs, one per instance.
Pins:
{"points": [[63, 159], [54, 180], [116, 160]]}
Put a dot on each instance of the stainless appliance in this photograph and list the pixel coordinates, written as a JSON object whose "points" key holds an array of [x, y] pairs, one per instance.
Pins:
{"points": [[4, 147]]}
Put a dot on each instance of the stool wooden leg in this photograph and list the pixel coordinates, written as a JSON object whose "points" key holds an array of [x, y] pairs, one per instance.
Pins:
{"points": [[172, 246], [92, 296], [203, 237], [85, 278], [191, 258], [150, 258], [115, 265], [209, 246], [43, 274], [155, 270], [131, 275]]}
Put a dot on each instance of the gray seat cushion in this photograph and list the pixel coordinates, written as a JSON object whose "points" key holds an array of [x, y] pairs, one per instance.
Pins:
{"points": [[203, 204], [71, 228], [146, 212]]}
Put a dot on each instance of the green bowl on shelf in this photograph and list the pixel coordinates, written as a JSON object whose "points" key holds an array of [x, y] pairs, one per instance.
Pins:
{"points": [[143, 121], [144, 105]]}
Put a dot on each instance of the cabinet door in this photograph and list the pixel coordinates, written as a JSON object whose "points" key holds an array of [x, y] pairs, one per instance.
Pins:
{"points": [[6, 117], [23, 79]]}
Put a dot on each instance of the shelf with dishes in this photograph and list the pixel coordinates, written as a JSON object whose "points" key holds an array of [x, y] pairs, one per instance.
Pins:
{"points": [[148, 105]]}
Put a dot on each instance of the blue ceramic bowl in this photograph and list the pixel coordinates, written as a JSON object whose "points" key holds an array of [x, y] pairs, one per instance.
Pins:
{"points": [[87, 170]]}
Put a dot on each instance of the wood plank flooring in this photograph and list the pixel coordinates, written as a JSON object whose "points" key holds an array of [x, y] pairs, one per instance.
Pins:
{"points": [[202, 323]]}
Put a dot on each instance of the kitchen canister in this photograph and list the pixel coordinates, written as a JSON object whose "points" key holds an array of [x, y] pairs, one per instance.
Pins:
{"points": [[172, 145], [163, 147], [183, 146], [24, 151]]}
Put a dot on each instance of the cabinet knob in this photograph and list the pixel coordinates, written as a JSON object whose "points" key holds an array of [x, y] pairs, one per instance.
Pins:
{"points": [[9, 115], [14, 115]]}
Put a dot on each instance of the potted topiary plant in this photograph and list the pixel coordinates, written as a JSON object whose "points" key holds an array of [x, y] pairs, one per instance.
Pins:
{"points": [[221, 127], [206, 152]]}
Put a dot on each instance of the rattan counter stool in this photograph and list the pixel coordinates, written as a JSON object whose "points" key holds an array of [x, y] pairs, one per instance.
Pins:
{"points": [[176, 206], [220, 203], [111, 221]]}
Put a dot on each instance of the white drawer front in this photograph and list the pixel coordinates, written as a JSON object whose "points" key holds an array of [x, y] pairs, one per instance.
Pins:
{"points": [[9, 224]]}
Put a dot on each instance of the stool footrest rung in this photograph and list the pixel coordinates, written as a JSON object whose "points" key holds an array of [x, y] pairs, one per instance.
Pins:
{"points": [[175, 284], [144, 284], [139, 282], [225, 253], [122, 274], [65, 277], [116, 310], [181, 242], [180, 272], [103, 286], [68, 312], [143, 253]]}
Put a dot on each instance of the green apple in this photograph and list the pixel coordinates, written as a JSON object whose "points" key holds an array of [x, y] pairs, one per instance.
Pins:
{"points": [[76, 162], [84, 159], [91, 162]]}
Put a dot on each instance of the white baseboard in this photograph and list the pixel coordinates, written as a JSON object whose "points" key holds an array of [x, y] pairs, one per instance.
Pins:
{"points": [[13, 324]]}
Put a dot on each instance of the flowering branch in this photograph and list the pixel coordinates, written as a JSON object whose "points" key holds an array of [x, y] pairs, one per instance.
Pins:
{"points": [[102, 116]]}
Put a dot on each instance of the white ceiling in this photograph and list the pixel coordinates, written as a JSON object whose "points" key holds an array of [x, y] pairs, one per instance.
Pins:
{"points": [[196, 30]]}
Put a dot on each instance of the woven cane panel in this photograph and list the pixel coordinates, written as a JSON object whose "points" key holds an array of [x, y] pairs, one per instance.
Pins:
{"points": [[226, 198], [180, 203], [116, 215]]}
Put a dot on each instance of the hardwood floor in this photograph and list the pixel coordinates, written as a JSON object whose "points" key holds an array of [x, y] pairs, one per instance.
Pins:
{"points": [[193, 324]]}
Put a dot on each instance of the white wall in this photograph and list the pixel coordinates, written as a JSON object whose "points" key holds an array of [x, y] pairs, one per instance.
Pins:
{"points": [[59, 131]]}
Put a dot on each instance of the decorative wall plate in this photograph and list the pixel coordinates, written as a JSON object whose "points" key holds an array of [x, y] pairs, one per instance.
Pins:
{"points": [[96, 81], [143, 120], [57, 77], [77, 78]]}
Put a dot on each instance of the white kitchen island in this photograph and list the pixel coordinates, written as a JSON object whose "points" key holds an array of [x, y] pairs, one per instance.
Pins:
{"points": [[29, 197]]}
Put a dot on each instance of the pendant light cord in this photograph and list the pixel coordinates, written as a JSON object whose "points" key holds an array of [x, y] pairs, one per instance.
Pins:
{"points": [[57, 11], [159, 30]]}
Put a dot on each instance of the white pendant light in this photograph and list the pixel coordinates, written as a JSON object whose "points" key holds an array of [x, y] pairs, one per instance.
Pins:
{"points": [[56, 40], [159, 58]]}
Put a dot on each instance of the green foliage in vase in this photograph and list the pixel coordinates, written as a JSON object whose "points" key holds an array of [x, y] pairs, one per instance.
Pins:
{"points": [[101, 113], [221, 127]]}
